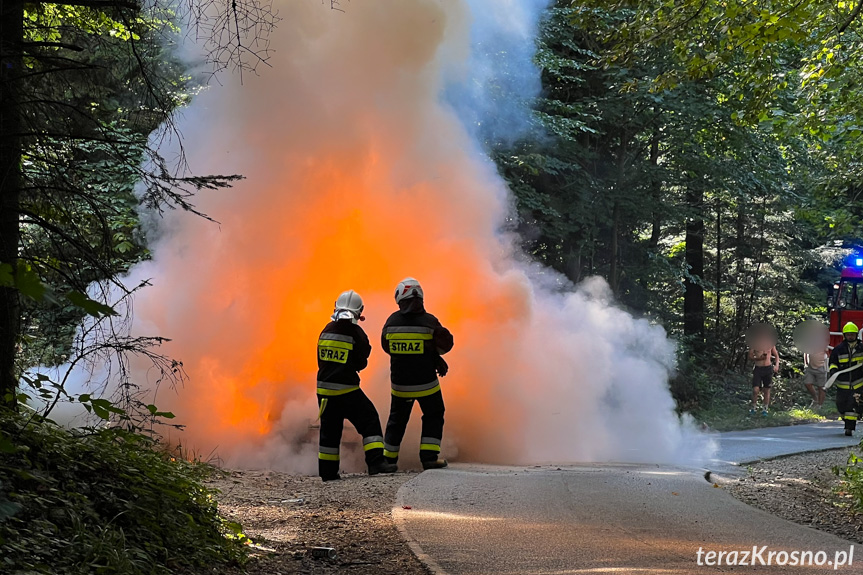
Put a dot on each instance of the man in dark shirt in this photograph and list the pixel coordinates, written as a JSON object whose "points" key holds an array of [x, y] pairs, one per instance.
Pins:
{"points": [[415, 341], [343, 351]]}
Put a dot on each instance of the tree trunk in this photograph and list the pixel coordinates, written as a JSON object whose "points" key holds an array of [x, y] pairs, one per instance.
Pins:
{"points": [[615, 247], [693, 296], [735, 359], [757, 271], [614, 275], [572, 266], [656, 189], [718, 308], [740, 268], [11, 37]]}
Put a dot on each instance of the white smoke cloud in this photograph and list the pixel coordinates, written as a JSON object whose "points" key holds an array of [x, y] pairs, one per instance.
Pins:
{"points": [[363, 166]]}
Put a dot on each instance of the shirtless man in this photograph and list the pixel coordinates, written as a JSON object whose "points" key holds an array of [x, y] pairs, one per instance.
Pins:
{"points": [[815, 376], [763, 354]]}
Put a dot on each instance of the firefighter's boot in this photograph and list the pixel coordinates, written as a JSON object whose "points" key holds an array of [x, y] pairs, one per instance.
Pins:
{"points": [[382, 467], [434, 464]]}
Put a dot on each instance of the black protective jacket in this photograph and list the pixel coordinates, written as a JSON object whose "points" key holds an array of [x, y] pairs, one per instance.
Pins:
{"points": [[343, 350], [842, 358], [414, 340]]}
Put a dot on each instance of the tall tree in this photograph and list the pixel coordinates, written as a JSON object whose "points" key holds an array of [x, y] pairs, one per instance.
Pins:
{"points": [[84, 84], [11, 73], [693, 296]]}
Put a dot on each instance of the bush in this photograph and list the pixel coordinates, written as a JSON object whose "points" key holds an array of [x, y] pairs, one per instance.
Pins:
{"points": [[104, 501], [852, 476]]}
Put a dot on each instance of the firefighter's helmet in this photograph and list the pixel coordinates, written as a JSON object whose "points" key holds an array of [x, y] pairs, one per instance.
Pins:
{"points": [[348, 306], [407, 288], [850, 327]]}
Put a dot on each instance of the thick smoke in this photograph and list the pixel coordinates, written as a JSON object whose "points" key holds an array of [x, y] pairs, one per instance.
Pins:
{"points": [[362, 165], [492, 87]]}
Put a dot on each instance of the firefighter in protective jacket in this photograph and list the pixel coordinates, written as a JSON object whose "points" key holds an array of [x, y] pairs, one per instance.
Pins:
{"points": [[343, 351], [847, 358], [415, 341]]}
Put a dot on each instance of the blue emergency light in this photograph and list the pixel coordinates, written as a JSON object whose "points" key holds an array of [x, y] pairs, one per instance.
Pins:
{"points": [[859, 262]]}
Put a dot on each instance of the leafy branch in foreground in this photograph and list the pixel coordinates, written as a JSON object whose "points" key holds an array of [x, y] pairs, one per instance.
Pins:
{"points": [[106, 501], [99, 368]]}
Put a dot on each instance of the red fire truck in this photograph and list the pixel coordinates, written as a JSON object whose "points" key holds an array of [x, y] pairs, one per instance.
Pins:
{"points": [[845, 300]]}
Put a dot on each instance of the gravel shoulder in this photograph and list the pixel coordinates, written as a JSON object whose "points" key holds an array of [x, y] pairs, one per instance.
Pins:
{"points": [[803, 489], [286, 515]]}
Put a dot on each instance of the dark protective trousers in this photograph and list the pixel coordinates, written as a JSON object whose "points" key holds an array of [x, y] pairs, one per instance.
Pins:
{"points": [[850, 407], [432, 431], [357, 408]]}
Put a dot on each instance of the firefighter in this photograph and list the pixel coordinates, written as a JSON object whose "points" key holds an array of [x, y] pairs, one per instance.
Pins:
{"points": [[415, 341], [847, 359], [343, 351]]}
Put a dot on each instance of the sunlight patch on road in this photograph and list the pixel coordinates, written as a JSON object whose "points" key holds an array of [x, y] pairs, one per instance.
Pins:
{"points": [[445, 516]]}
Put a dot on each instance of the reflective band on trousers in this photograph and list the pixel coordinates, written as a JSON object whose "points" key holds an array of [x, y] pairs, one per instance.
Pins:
{"points": [[415, 394], [373, 442], [850, 416], [328, 453], [429, 444], [328, 388], [416, 390], [393, 454]]}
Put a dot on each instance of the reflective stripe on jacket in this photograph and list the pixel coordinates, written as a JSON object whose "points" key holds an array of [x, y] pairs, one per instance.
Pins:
{"points": [[842, 358], [414, 339], [343, 350]]}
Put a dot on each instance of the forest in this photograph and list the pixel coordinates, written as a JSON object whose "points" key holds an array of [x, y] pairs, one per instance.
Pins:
{"points": [[702, 156]]}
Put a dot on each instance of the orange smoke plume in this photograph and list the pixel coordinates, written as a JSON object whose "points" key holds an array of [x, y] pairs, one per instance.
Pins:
{"points": [[358, 176]]}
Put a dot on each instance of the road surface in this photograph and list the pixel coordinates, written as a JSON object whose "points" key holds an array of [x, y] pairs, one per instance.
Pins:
{"points": [[638, 519], [736, 448]]}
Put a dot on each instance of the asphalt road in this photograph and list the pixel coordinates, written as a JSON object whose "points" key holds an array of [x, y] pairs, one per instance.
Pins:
{"points": [[638, 519], [737, 448]]}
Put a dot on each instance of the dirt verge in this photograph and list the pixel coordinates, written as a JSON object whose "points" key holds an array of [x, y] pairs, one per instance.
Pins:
{"points": [[287, 515], [803, 489]]}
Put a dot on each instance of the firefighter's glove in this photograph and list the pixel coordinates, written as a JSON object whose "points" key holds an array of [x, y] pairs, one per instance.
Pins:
{"points": [[441, 366]]}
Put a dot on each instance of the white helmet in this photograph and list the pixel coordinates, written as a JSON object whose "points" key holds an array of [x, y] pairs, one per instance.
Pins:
{"points": [[348, 306], [408, 287]]}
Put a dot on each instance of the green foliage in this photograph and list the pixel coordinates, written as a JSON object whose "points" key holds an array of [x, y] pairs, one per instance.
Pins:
{"points": [[105, 80], [732, 115], [852, 475], [733, 417], [104, 501]]}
